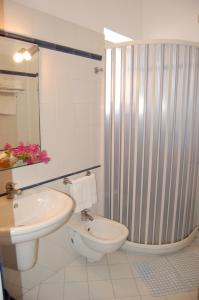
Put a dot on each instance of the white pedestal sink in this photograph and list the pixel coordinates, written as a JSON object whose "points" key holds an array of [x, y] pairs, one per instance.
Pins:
{"points": [[26, 218]]}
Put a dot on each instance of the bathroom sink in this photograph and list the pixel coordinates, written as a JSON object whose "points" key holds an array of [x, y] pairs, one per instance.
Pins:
{"points": [[31, 215]]}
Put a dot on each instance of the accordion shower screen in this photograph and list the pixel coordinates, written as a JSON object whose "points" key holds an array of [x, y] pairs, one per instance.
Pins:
{"points": [[152, 139]]}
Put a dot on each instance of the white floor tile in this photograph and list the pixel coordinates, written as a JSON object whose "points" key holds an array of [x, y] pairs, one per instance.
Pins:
{"points": [[58, 277], [134, 271], [129, 298], [35, 276], [102, 261], [136, 258], [79, 261], [180, 296], [153, 298], [76, 273], [133, 258], [120, 271], [112, 278], [117, 257], [108, 298], [143, 289], [100, 272], [100, 290], [51, 291], [30, 295], [76, 291], [125, 288]]}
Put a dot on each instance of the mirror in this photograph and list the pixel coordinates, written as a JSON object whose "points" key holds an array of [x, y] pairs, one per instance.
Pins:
{"points": [[19, 99]]}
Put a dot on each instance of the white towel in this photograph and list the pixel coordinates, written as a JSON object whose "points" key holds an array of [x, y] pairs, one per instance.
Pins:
{"points": [[11, 84], [83, 191]]}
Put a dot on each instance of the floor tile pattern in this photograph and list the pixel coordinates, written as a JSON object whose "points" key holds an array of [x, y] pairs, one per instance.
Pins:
{"points": [[175, 274], [187, 267], [115, 277]]}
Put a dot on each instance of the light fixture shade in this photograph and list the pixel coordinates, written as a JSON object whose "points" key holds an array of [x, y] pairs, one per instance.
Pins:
{"points": [[18, 56], [28, 54], [25, 54]]}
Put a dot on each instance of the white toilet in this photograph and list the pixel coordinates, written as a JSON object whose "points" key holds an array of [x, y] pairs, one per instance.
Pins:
{"points": [[94, 239]]}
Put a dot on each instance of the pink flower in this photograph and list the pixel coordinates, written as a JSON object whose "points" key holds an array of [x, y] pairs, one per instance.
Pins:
{"points": [[7, 147], [29, 161], [21, 148], [33, 148], [43, 157], [29, 154]]}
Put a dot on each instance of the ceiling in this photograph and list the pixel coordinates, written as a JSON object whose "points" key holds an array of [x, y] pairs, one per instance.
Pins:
{"points": [[137, 19], [94, 14]]}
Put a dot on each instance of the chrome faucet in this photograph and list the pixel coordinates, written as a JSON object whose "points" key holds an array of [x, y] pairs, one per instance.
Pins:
{"points": [[85, 216], [11, 191]]}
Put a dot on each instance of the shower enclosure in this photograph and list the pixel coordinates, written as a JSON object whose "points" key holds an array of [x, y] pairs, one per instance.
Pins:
{"points": [[152, 139]]}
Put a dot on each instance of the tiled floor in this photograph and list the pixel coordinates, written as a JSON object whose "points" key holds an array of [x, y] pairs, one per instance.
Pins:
{"points": [[112, 278]]}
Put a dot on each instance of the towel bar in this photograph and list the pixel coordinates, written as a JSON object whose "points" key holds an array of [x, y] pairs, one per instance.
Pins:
{"points": [[66, 180]]}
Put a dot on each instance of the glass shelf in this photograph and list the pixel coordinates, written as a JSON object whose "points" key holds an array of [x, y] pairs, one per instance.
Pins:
{"points": [[18, 166]]}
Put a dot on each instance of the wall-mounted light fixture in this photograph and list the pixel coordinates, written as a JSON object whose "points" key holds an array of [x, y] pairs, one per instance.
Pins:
{"points": [[18, 56], [25, 54]]}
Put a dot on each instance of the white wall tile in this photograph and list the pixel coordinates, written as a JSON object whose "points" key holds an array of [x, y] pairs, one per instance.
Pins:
{"points": [[71, 117], [47, 75], [52, 256]]}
